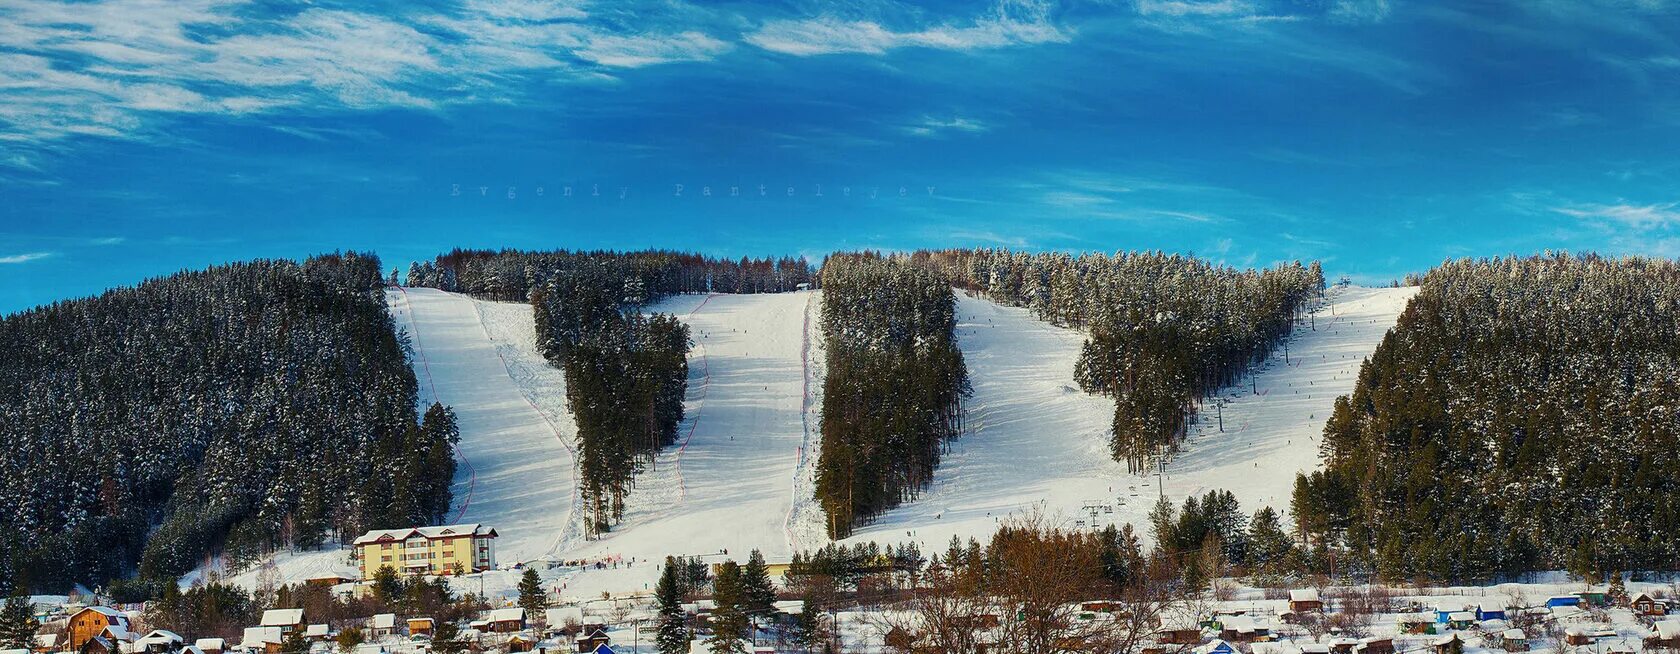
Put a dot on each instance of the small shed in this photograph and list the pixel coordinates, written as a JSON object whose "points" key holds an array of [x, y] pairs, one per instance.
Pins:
{"points": [[211, 645], [1444, 611], [1594, 598], [1416, 623], [420, 626], [1484, 614], [317, 632], [1305, 599], [1375, 645], [1461, 620], [1562, 600], [382, 625], [1448, 644], [1513, 640]]}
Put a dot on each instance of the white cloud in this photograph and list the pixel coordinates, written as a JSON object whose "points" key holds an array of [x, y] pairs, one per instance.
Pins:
{"points": [[647, 49], [930, 126], [1011, 22], [109, 67], [25, 257], [1636, 216], [1195, 7]]}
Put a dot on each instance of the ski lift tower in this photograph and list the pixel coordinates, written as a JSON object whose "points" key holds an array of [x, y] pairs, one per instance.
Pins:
{"points": [[1096, 509]]}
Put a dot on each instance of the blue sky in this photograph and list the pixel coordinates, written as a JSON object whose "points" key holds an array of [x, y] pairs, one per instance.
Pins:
{"points": [[1379, 136]]}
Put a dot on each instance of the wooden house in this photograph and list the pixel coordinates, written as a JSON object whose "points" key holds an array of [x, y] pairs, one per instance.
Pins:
{"points": [[262, 639], [1242, 629], [287, 620], [1375, 645], [1416, 624], [1448, 644], [1461, 620], [589, 641], [1665, 633], [317, 633], [1644, 604], [86, 624], [520, 643], [160, 641], [45, 643], [1179, 635], [506, 621], [211, 645], [1513, 640], [1562, 600], [420, 626], [1305, 599]]}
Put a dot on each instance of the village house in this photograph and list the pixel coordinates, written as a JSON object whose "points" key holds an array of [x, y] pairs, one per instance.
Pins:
{"points": [[1375, 645], [287, 620], [318, 633], [449, 549], [88, 623], [1305, 599], [45, 643], [1586, 635], [1242, 629], [160, 641], [1644, 604], [1448, 644], [420, 626], [1513, 640], [262, 639], [211, 645], [505, 621], [589, 641], [1665, 633]]}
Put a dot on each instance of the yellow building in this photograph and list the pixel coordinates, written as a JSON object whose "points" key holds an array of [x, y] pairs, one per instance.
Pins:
{"points": [[450, 549]]}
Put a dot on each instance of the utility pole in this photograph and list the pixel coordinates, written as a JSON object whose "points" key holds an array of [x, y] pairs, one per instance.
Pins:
{"points": [[1220, 404]]}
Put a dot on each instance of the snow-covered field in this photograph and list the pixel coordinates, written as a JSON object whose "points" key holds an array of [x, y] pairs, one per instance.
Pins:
{"points": [[740, 476]]}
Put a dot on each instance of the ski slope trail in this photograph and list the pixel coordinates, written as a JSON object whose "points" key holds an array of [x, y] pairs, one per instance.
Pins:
{"points": [[514, 462], [727, 485], [1032, 438], [1035, 442], [1274, 419]]}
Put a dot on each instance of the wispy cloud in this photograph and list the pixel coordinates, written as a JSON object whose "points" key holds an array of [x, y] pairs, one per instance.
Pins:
{"points": [[1009, 23], [931, 126], [25, 257], [1635, 216], [109, 68]]}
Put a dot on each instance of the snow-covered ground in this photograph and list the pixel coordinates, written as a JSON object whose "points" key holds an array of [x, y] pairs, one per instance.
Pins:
{"points": [[728, 483], [514, 461], [1035, 441], [1273, 421], [741, 474]]}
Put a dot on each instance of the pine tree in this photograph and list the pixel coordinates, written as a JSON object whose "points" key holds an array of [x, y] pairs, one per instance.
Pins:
{"points": [[531, 595], [729, 620], [673, 631], [350, 637], [18, 624], [759, 590]]}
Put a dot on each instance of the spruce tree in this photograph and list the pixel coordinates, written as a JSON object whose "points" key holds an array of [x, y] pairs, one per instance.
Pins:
{"points": [[673, 631], [18, 624], [729, 620], [759, 591], [531, 595]]}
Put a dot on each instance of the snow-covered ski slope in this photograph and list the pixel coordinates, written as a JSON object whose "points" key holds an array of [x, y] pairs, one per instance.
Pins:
{"points": [[514, 466], [740, 476], [1036, 442]]}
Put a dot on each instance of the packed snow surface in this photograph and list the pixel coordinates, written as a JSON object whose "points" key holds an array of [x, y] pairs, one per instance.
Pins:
{"points": [[1035, 442]]}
